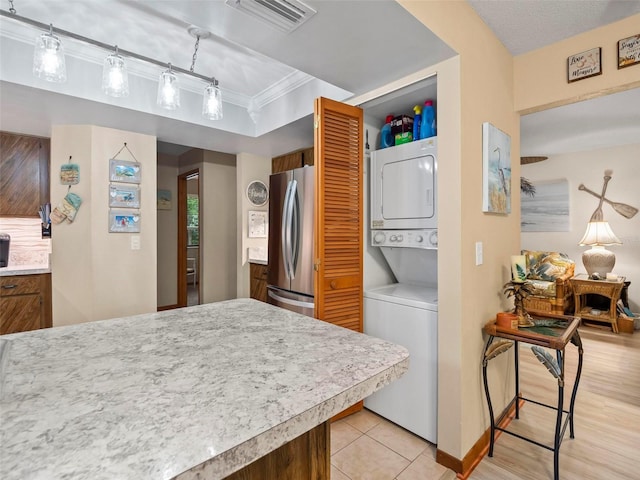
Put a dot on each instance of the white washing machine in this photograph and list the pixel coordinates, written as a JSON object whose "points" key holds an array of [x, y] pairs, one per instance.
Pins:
{"points": [[407, 314]]}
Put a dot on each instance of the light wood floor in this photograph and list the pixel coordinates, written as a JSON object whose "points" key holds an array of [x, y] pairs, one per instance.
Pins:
{"points": [[607, 416]]}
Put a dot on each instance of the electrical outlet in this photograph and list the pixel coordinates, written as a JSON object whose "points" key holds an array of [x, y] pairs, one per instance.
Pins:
{"points": [[135, 242], [479, 253]]}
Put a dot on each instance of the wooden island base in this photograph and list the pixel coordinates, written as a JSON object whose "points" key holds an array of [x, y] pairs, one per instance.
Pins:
{"points": [[306, 457]]}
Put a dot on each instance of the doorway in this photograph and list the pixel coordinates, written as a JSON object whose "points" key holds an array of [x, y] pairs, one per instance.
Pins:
{"points": [[189, 254]]}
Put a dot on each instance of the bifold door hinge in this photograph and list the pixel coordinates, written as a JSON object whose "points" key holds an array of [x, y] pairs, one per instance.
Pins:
{"points": [[316, 265]]}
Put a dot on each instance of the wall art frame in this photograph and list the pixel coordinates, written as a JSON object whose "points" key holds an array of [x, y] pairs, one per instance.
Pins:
{"points": [[124, 196], [584, 65], [496, 170], [257, 193], [258, 224], [122, 221], [164, 199], [629, 51], [124, 171]]}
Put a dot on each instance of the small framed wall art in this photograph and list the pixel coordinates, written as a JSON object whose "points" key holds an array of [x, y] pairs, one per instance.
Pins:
{"points": [[124, 222], [258, 193], [124, 171], [164, 200], [584, 65], [258, 222], [629, 51], [127, 196], [496, 170]]}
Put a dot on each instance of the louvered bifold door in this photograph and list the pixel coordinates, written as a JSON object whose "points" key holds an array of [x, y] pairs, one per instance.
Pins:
{"points": [[339, 213]]}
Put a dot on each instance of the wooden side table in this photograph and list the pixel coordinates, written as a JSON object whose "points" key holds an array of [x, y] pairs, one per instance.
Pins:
{"points": [[550, 331], [582, 286]]}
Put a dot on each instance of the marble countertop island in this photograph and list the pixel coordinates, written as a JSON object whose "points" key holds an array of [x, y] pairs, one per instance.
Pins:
{"points": [[198, 392]]}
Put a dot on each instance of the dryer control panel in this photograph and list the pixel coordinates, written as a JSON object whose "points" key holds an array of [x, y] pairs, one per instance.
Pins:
{"points": [[424, 238]]}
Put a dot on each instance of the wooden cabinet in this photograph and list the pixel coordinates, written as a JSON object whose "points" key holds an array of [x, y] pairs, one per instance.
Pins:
{"points": [[24, 174], [258, 281], [292, 160], [25, 303]]}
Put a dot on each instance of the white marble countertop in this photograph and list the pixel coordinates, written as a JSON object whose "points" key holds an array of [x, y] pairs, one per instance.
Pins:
{"points": [[23, 270], [197, 392]]}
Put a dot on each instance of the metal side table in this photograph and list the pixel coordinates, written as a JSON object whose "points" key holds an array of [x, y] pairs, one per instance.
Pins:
{"points": [[553, 332]]}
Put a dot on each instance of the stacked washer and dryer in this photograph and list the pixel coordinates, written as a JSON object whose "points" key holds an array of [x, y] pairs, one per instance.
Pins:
{"points": [[404, 226]]}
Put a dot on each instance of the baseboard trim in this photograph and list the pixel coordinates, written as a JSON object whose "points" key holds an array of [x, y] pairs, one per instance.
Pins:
{"points": [[476, 453], [167, 307]]}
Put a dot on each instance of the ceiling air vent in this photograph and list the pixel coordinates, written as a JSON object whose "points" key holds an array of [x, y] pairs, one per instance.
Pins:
{"points": [[285, 15]]}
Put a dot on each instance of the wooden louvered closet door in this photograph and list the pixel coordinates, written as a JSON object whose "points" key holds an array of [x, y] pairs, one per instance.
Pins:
{"points": [[339, 213]]}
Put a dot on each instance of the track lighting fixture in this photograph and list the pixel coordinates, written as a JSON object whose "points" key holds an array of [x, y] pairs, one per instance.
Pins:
{"points": [[49, 64]]}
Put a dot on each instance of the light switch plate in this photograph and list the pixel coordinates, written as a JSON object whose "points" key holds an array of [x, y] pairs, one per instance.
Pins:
{"points": [[135, 242], [479, 259]]}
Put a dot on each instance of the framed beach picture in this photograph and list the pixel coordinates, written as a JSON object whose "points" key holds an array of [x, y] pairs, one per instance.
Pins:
{"points": [[127, 196], [164, 200], [124, 222], [496, 170], [124, 171], [548, 209]]}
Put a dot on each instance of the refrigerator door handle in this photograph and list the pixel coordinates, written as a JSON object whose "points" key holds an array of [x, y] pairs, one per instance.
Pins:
{"points": [[284, 231], [295, 229], [289, 301], [288, 249]]}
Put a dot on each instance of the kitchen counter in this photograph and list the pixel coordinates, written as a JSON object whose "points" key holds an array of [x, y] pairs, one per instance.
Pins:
{"points": [[23, 270], [197, 392]]}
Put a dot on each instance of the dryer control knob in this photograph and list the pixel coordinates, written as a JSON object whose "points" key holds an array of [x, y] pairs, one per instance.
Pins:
{"points": [[378, 237], [419, 239], [433, 238], [393, 238], [400, 238]]}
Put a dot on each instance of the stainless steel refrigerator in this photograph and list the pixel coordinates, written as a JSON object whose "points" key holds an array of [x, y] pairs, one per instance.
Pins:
{"points": [[290, 277]]}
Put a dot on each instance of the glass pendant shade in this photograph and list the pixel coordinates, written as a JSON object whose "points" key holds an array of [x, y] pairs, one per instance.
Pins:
{"points": [[48, 59], [115, 79], [168, 91], [212, 102]]}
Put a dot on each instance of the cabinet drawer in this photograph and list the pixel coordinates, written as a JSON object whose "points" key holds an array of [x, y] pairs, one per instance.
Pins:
{"points": [[20, 285], [258, 271]]}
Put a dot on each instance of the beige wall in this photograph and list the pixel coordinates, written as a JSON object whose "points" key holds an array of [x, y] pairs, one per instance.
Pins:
{"points": [[249, 168], [95, 274], [168, 232], [474, 88], [588, 167], [541, 76]]}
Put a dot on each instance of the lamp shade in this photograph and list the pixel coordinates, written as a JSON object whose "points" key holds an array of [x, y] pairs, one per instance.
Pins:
{"points": [[599, 233], [168, 91], [115, 80], [212, 101], [48, 59]]}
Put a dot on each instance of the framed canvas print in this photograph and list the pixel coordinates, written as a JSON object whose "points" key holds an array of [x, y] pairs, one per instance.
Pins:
{"points": [[547, 210], [164, 200], [496, 170], [124, 171], [127, 196], [124, 222]]}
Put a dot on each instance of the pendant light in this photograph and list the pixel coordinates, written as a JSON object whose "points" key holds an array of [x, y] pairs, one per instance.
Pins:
{"points": [[168, 91], [48, 58], [115, 79], [212, 101]]}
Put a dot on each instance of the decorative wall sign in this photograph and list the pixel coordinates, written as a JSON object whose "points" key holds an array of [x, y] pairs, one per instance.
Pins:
{"points": [[124, 171], [127, 196], [258, 222], [124, 222], [496, 170], [69, 174], [629, 51], [257, 193], [164, 199], [584, 65]]}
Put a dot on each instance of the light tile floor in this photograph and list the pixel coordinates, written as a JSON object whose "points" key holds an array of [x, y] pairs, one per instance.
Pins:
{"points": [[365, 446]]}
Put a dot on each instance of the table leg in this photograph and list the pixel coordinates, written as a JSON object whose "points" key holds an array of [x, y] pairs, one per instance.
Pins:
{"points": [[486, 392], [517, 372], [557, 439], [577, 341]]}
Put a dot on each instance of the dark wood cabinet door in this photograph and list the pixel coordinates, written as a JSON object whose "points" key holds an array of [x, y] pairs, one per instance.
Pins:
{"points": [[20, 313], [24, 174], [258, 281], [286, 162], [307, 156]]}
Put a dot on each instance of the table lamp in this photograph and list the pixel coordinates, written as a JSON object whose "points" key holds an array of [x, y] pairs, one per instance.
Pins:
{"points": [[598, 259]]}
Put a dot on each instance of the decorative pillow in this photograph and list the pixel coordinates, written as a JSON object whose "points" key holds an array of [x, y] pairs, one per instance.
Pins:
{"points": [[542, 288], [547, 266]]}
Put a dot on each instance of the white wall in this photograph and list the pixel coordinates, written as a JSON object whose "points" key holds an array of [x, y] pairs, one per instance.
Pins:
{"points": [[588, 168], [249, 168], [168, 233], [95, 274]]}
